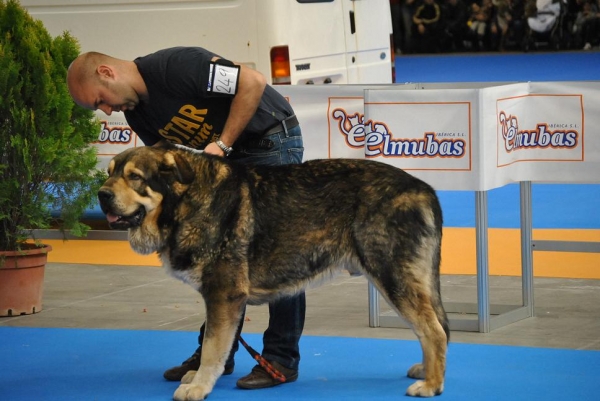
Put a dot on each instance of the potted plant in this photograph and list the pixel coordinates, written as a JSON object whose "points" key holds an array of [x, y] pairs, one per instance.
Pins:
{"points": [[46, 163]]}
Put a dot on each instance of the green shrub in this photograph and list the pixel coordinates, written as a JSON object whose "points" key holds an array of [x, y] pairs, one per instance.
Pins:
{"points": [[46, 162]]}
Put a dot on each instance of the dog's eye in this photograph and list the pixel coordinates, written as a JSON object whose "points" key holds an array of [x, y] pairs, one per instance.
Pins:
{"points": [[134, 177]]}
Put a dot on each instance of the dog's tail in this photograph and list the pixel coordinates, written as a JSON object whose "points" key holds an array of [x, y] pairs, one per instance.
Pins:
{"points": [[441, 314], [437, 296], [437, 259]]}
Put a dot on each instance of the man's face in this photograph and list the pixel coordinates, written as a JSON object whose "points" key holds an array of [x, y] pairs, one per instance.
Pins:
{"points": [[105, 92]]}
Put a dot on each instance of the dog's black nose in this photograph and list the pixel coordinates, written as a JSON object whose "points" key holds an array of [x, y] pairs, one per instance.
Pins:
{"points": [[104, 196]]}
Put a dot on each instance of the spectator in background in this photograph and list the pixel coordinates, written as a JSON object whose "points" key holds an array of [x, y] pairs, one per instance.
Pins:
{"points": [[407, 8], [585, 25], [499, 24], [545, 19], [590, 31], [454, 16], [479, 20], [570, 14], [396, 12], [426, 32], [516, 25]]}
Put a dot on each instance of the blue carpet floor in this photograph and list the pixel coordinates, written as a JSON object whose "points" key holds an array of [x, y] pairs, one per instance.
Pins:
{"points": [[113, 365], [562, 206], [517, 67]]}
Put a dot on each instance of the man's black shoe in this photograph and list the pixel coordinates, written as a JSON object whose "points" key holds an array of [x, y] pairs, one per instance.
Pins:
{"points": [[192, 363], [260, 378]]}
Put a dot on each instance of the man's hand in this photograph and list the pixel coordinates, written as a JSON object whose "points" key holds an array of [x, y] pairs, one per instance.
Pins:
{"points": [[213, 149]]}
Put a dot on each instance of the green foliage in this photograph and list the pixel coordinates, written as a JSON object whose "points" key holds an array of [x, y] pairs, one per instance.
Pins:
{"points": [[46, 162]]}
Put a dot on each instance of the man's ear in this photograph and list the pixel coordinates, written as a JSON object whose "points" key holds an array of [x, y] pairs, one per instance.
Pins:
{"points": [[104, 71]]}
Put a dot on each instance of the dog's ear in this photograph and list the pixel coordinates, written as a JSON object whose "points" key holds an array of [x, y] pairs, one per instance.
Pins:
{"points": [[164, 144], [178, 167]]}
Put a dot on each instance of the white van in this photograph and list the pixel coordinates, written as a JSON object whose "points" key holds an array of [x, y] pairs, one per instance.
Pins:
{"points": [[289, 41]]}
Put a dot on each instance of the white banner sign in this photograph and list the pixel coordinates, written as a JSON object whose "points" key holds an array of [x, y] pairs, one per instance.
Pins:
{"points": [[431, 134], [541, 131], [523, 132]]}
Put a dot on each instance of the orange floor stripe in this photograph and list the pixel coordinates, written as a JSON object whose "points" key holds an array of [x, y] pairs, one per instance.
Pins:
{"points": [[504, 250], [98, 252], [458, 253]]}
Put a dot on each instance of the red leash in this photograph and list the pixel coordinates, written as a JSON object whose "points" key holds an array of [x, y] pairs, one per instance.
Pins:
{"points": [[266, 365]]}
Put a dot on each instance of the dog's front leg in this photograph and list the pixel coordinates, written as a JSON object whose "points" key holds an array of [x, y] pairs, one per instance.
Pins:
{"points": [[222, 319]]}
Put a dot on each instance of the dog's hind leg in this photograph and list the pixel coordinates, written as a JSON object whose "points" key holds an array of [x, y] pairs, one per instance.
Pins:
{"points": [[416, 303], [221, 326], [433, 339], [407, 275]]}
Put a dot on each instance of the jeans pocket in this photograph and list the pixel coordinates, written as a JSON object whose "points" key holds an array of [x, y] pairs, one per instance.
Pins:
{"points": [[284, 149], [294, 156]]}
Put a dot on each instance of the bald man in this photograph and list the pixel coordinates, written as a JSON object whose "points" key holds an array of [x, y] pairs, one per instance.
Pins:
{"points": [[193, 97]]}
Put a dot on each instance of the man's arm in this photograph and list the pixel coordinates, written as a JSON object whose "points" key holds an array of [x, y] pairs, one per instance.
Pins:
{"points": [[251, 86]]}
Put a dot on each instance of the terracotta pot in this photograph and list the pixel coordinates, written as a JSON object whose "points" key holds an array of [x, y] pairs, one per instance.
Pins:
{"points": [[22, 280]]}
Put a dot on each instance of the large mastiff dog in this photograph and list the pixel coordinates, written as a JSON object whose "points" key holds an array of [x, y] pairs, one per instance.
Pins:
{"points": [[247, 235]]}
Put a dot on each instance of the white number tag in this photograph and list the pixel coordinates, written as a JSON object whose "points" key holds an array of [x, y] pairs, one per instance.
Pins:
{"points": [[223, 79]]}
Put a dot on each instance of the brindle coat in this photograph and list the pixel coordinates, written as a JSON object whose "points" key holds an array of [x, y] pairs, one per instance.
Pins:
{"points": [[247, 235]]}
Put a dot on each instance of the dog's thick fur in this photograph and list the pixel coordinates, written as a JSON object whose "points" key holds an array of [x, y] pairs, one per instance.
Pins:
{"points": [[247, 235]]}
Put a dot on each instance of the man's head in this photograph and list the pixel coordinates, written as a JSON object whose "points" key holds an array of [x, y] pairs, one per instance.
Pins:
{"points": [[97, 81]]}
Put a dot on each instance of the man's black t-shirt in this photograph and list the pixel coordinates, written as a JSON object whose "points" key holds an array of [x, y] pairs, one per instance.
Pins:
{"points": [[183, 109]]}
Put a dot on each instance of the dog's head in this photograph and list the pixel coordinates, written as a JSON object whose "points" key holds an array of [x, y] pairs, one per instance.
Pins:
{"points": [[144, 183]]}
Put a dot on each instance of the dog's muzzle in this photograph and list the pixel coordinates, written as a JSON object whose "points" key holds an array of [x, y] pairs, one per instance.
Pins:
{"points": [[116, 220]]}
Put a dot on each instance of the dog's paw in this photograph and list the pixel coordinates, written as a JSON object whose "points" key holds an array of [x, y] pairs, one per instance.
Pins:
{"points": [[188, 377], [189, 392], [417, 371], [423, 389]]}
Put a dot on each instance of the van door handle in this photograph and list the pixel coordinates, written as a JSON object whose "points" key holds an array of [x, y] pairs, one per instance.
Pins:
{"points": [[352, 23]]}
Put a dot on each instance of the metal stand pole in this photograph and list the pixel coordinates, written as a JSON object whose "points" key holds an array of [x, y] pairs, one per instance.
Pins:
{"points": [[373, 306], [526, 246], [481, 238]]}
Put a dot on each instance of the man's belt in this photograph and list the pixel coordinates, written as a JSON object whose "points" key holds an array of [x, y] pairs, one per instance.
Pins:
{"points": [[283, 125], [248, 140]]}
